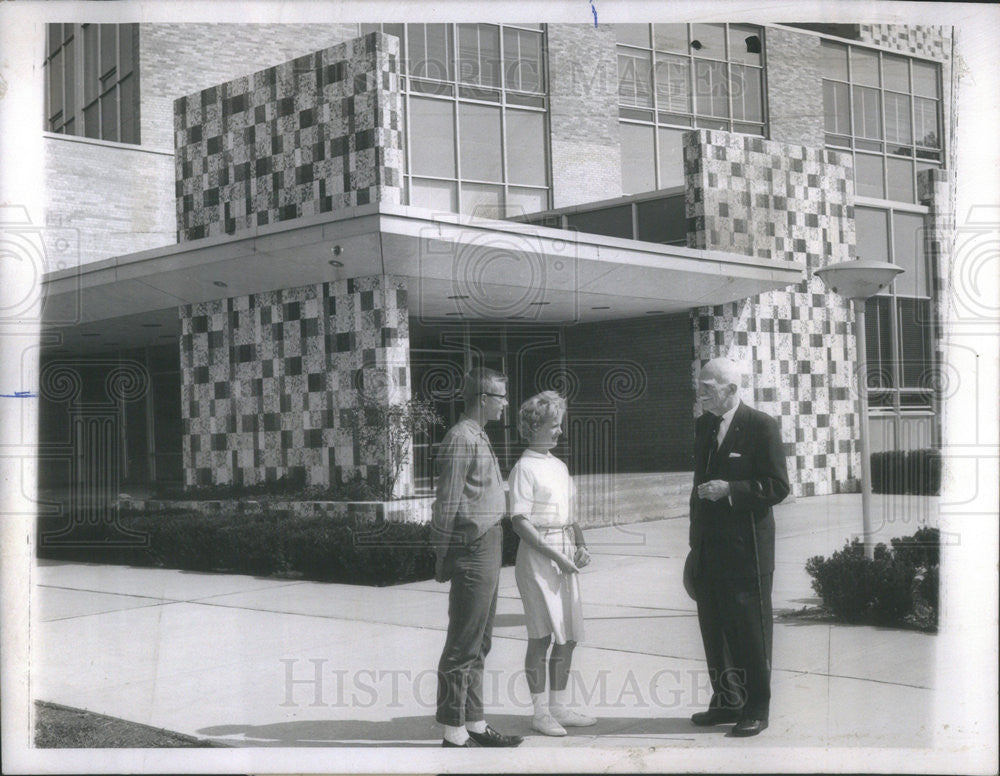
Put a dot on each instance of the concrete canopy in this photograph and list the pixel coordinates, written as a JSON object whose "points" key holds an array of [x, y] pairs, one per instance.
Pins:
{"points": [[459, 268]]}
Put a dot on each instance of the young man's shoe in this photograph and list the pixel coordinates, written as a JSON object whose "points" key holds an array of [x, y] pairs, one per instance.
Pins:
{"points": [[468, 743], [491, 738]]}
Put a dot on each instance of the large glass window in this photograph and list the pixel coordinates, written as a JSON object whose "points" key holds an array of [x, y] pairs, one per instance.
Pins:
{"points": [[476, 130], [673, 77], [886, 108], [92, 82], [898, 325]]}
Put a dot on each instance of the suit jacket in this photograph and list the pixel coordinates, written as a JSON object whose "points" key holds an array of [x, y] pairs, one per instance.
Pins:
{"points": [[751, 459]]}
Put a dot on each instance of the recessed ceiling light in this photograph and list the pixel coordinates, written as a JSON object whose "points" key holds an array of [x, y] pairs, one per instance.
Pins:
{"points": [[335, 263], [458, 296], [601, 307], [220, 284], [336, 250], [539, 304]]}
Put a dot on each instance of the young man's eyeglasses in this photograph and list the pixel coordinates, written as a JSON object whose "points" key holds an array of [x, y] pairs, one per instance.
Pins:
{"points": [[495, 395]]}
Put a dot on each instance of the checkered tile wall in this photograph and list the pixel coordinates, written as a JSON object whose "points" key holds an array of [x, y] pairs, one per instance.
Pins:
{"points": [[792, 203], [920, 40], [319, 133], [265, 380]]}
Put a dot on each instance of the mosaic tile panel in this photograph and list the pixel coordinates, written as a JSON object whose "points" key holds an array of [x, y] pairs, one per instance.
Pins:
{"points": [[318, 133], [932, 41], [266, 378], [767, 199], [791, 203]]}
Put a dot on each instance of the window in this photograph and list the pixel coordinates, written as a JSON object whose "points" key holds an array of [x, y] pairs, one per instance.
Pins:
{"points": [[886, 108], [898, 324], [673, 77], [475, 104], [92, 82]]}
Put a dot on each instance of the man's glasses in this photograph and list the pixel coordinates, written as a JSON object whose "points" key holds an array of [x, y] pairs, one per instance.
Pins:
{"points": [[495, 395]]}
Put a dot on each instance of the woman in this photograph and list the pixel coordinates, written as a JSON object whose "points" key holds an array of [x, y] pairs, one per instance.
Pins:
{"points": [[549, 558]]}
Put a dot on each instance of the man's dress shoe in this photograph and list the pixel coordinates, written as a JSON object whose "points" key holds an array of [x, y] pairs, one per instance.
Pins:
{"points": [[715, 717], [749, 727]]}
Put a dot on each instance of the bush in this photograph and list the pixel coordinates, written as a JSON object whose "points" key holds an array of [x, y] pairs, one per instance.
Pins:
{"points": [[290, 487], [313, 547], [899, 585], [907, 471]]}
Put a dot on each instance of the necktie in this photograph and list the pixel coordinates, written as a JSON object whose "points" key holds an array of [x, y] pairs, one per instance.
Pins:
{"points": [[713, 445]]}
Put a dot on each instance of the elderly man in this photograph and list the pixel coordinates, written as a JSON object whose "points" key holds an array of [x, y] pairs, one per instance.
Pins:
{"points": [[467, 540], [739, 475]]}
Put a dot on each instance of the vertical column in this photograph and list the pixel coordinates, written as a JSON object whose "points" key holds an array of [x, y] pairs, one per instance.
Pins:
{"points": [[267, 380]]}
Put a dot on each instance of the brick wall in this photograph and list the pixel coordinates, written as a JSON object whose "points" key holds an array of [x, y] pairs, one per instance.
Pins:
{"points": [[113, 199], [179, 59], [794, 87], [318, 133], [639, 371], [583, 86]]}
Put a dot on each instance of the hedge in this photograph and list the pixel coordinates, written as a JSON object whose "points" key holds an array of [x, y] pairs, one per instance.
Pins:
{"points": [[898, 586], [907, 471], [273, 543]]}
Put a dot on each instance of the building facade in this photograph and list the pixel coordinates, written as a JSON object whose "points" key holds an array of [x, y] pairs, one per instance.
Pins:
{"points": [[274, 222]]}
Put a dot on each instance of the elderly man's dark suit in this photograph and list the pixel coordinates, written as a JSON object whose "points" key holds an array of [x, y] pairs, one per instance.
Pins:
{"points": [[732, 542]]}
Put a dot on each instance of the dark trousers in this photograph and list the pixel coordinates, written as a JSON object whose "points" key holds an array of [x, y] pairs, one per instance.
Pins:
{"points": [[737, 649], [472, 603]]}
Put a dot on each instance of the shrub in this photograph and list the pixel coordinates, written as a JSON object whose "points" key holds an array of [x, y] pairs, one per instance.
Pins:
{"points": [[313, 547], [898, 585], [290, 487]]}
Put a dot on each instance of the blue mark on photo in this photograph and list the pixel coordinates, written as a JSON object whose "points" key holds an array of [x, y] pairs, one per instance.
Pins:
{"points": [[593, 8], [19, 395]]}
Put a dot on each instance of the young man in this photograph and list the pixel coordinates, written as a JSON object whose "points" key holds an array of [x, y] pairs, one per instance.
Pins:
{"points": [[467, 541], [739, 475]]}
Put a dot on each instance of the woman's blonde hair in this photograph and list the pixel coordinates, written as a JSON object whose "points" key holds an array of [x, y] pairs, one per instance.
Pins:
{"points": [[541, 407]]}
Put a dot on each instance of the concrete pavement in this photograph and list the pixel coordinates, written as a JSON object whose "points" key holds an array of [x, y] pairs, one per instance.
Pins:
{"points": [[249, 661]]}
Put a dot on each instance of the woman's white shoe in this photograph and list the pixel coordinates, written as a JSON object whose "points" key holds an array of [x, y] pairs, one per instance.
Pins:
{"points": [[547, 725], [569, 718]]}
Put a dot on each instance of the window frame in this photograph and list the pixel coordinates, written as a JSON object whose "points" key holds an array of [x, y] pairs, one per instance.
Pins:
{"points": [[919, 156], [93, 94], [458, 92], [888, 401], [659, 117]]}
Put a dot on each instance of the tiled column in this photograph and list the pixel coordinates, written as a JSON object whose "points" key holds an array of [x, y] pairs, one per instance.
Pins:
{"points": [[316, 134], [791, 203], [266, 378]]}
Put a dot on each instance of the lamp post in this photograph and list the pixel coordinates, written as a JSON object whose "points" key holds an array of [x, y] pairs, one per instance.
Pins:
{"points": [[857, 281]]}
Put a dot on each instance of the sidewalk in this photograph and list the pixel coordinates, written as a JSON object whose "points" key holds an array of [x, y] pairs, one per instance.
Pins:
{"points": [[270, 662]]}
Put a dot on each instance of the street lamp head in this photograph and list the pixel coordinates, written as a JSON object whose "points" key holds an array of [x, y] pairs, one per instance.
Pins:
{"points": [[858, 279]]}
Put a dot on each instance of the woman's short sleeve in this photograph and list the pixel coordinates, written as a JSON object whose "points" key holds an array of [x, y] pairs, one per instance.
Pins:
{"points": [[521, 487]]}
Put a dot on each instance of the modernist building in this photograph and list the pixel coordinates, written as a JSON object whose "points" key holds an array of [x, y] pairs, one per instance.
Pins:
{"points": [[260, 222]]}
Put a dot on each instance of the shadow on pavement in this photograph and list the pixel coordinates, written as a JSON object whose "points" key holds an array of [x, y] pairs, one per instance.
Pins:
{"points": [[424, 731]]}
